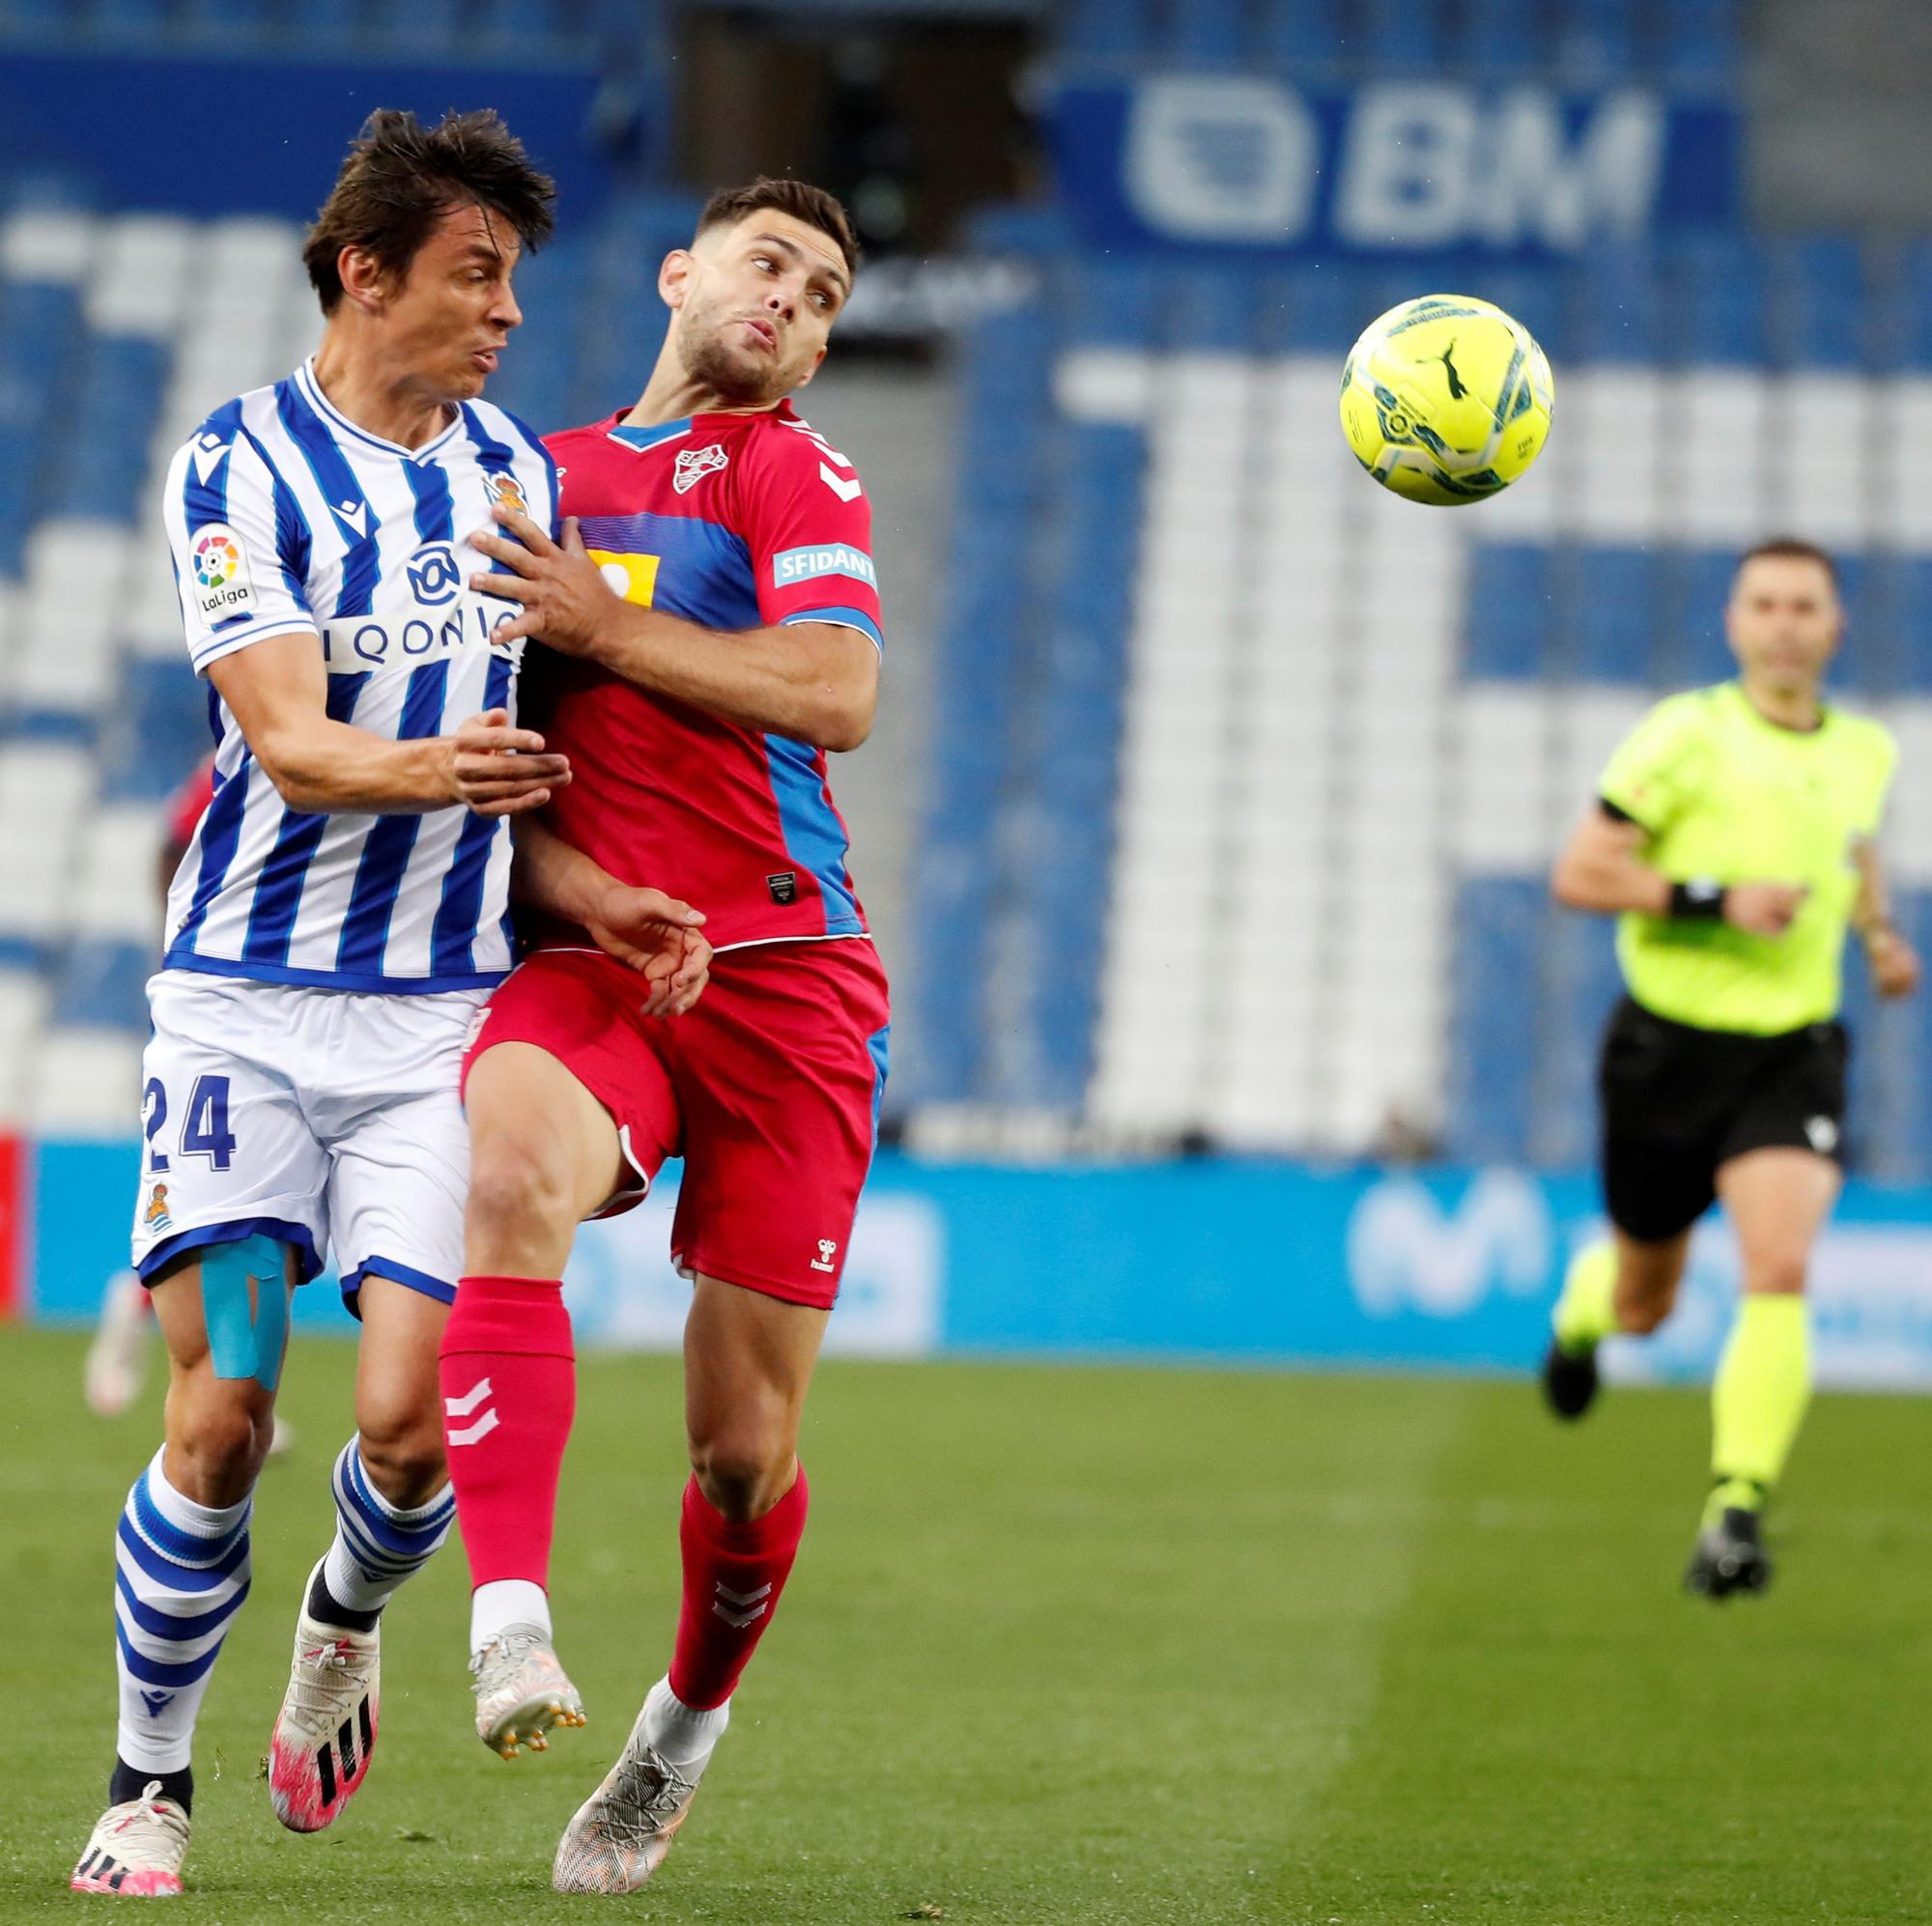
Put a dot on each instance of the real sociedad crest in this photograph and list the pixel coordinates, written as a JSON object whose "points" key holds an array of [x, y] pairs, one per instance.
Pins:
{"points": [[695, 464]]}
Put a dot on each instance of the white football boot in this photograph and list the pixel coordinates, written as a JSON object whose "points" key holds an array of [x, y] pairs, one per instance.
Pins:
{"points": [[326, 1731], [623, 1830], [136, 1849], [521, 1691]]}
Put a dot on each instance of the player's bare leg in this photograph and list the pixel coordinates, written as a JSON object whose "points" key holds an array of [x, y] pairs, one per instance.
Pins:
{"points": [[183, 1552], [1620, 1284], [1778, 1201], [544, 1154], [393, 1512], [748, 1363]]}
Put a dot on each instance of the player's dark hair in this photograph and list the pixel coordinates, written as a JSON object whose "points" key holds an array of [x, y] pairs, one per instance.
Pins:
{"points": [[799, 199], [400, 178], [1793, 547]]}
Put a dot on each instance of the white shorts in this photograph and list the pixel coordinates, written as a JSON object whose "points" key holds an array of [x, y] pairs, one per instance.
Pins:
{"points": [[323, 1119]]}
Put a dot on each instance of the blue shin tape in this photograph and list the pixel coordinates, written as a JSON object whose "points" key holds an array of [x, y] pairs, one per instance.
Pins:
{"points": [[244, 1301]]}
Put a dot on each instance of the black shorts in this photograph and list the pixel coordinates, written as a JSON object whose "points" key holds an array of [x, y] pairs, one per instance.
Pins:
{"points": [[1679, 1102]]}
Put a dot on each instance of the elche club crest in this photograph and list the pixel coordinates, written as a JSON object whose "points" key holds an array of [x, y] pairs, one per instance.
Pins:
{"points": [[695, 464]]}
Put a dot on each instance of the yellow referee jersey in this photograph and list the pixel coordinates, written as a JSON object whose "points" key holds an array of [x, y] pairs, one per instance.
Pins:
{"points": [[1723, 793]]}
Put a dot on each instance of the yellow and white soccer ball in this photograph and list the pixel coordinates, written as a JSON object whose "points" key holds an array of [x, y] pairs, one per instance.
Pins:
{"points": [[1446, 399]]}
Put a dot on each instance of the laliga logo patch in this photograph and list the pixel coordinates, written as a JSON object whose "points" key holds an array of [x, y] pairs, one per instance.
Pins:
{"points": [[505, 492], [221, 563], [695, 464]]}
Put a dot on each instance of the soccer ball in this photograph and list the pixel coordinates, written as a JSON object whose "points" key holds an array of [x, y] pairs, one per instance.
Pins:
{"points": [[1446, 399]]}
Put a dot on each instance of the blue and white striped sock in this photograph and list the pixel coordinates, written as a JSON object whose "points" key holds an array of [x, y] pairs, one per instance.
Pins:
{"points": [[181, 1571], [378, 1545]]}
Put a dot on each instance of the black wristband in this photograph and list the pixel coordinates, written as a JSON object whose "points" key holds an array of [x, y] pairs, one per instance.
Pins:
{"points": [[1699, 900]]}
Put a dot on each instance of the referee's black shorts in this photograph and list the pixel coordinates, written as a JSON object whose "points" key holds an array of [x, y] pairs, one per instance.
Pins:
{"points": [[1679, 1102]]}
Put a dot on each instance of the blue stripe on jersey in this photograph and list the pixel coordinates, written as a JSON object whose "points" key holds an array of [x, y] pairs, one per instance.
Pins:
{"points": [[361, 565], [219, 837], [810, 827], [385, 852], [436, 511], [649, 438], [453, 935], [278, 889], [496, 454], [207, 499], [294, 543]]}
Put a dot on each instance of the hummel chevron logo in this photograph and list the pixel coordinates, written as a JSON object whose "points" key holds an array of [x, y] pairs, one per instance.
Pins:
{"points": [[355, 514], [461, 1407], [755, 1605], [846, 491]]}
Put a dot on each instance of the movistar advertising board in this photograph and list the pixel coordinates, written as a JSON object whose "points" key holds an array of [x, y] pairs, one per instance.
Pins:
{"points": [[1246, 1262], [1255, 165]]}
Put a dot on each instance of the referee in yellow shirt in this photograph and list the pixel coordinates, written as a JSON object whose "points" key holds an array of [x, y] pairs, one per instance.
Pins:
{"points": [[1733, 838]]}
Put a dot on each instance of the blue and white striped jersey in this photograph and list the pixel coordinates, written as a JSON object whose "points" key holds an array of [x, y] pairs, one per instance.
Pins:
{"points": [[285, 518]]}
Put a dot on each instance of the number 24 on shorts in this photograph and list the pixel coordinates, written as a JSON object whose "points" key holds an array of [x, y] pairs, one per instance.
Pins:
{"points": [[204, 1134]]}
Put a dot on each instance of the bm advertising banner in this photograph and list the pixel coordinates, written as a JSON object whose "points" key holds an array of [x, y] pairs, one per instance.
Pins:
{"points": [[1245, 1262], [1254, 164]]}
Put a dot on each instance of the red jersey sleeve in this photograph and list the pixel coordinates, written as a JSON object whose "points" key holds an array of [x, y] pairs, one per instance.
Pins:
{"points": [[809, 529]]}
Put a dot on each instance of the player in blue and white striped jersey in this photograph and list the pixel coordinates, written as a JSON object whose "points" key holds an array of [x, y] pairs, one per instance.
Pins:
{"points": [[333, 931]]}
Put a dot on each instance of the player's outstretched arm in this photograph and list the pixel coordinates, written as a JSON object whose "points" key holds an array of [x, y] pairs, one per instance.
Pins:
{"points": [[277, 691], [654, 934], [816, 682]]}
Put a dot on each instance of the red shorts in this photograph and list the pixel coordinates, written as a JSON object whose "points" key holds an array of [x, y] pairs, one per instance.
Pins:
{"points": [[769, 1090]]}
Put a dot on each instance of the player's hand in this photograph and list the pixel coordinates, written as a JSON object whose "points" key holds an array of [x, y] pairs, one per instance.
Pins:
{"points": [[1894, 963], [659, 938], [497, 770], [565, 599], [1763, 909]]}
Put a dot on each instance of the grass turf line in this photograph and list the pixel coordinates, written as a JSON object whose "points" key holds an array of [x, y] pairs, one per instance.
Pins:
{"points": [[1086, 1645]]}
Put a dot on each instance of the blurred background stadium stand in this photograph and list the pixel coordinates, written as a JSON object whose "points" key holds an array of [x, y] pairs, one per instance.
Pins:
{"points": [[1213, 792]]}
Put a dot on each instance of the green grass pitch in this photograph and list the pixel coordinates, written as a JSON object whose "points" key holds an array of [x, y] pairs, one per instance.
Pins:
{"points": [[1082, 1645]]}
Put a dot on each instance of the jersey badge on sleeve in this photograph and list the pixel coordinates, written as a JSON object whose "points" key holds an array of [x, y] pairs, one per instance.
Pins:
{"points": [[695, 464], [221, 584]]}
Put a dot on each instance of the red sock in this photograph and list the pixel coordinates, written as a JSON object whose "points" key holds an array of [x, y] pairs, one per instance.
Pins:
{"points": [[733, 1576], [509, 1392]]}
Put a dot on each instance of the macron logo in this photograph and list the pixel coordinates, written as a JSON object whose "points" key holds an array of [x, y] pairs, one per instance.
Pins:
{"points": [[795, 565], [461, 1407]]}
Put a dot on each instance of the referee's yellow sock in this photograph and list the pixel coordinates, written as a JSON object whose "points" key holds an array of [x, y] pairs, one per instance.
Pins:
{"points": [[1585, 1314], [1758, 1398]]}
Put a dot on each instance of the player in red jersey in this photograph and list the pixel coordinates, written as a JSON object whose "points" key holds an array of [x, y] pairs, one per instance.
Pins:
{"points": [[713, 626]]}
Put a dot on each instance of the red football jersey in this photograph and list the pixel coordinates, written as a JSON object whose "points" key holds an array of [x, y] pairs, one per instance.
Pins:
{"points": [[733, 522]]}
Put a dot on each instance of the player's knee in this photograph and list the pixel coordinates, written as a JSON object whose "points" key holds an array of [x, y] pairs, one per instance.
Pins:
{"points": [[513, 1183], [742, 1472], [403, 1454], [221, 1440]]}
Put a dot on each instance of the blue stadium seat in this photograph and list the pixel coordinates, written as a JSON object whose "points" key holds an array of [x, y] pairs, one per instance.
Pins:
{"points": [[1300, 33], [1614, 614], [1203, 33], [1497, 38], [1511, 614], [1719, 299], [1402, 33], [157, 729], [1912, 613], [1107, 29], [1613, 306], [1693, 586], [1312, 309], [1819, 317], [103, 983], [1491, 1041]]}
